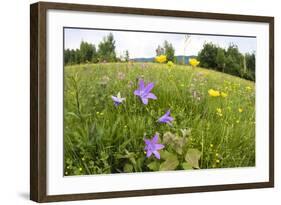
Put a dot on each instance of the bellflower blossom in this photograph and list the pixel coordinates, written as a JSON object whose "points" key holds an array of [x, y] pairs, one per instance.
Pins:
{"points": [[166, 118], [152, 147], [144, 92], [117, 99]]}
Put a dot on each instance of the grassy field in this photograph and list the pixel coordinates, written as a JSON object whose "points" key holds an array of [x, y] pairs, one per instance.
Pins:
{"points": [[207, 132]]}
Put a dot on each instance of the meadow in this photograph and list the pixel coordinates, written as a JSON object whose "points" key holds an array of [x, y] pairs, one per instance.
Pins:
{"points": [[213, 116]]}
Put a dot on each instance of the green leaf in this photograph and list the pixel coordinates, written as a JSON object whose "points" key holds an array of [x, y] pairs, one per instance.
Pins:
{"points": [[154, 166], [186, 166], [179, 144], [165, 154], [176, 142], [128, 168], [192, 157], [170, 163]]}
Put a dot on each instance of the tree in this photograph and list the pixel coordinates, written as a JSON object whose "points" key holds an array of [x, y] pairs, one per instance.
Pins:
{"points": [[86, 51], [160, 51], [106, 51], [169, 51], [250, 59], [207, 56], [235, 60], [95, 58], [66, 56], [127, 56], [77, 57], [220, 59]]}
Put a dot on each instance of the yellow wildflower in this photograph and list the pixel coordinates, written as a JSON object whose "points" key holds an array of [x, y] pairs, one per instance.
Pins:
{"points": [[217, 161], [248, 88], [194, 62], [223, 94], [161, 59], [240, 110], [219, 112], [211, 145], [170, 64], [213, 93], [80, 169]]}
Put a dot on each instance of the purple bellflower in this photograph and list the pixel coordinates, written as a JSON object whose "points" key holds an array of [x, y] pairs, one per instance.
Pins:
{"points": [[152, 147], [117, 99], [144, 92], [166, 118]]}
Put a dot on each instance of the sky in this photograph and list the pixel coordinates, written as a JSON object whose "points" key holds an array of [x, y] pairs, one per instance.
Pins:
{"points": [[144, 44]]}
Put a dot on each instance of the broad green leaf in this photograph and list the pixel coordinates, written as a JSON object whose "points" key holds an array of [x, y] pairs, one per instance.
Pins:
{"points": [[186, 166], [154, 166], [176, 142], [179, 144], [170, 163], [128, 168], [165, 154], [192, 157]]}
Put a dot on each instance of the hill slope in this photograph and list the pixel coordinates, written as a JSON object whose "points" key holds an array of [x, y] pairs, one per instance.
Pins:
{"points": [[213, 113]]}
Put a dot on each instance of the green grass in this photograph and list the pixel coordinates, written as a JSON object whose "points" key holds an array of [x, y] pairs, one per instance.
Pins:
{"points": [[102, 138]]}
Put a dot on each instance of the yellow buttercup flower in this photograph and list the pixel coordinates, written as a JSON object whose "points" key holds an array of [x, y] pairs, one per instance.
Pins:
{"points": [[194, 62], [214, 93], [170, 64], [223, 94], [240, 110], [161, 59]]}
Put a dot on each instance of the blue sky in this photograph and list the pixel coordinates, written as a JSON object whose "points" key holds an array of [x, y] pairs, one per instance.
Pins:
{"points": [[143, 44]]}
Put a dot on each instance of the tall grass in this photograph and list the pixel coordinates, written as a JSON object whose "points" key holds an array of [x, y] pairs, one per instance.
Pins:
{"points": [[102, 138]]}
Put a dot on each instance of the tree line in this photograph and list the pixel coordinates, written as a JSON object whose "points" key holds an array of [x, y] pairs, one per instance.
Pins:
{"points": [[213, 57], [89, 53], [228, 60]]}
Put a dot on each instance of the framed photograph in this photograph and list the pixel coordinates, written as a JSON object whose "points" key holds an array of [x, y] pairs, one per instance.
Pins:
{"points": [[135, 102]]}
